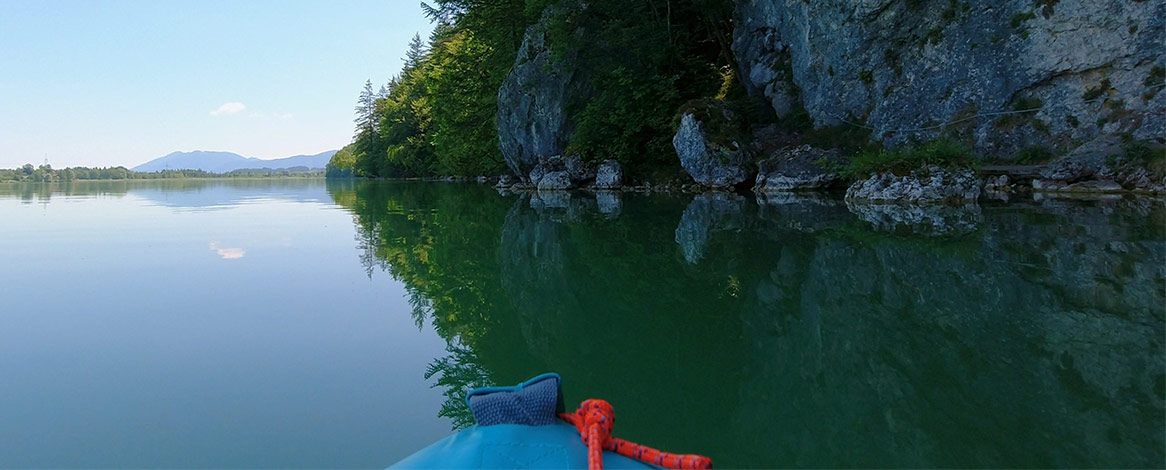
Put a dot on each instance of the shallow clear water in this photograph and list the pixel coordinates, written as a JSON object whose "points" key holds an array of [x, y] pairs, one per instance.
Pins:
{"points": [[293, 323]]}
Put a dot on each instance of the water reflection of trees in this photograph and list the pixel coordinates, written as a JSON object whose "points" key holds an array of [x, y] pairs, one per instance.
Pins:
{"points": [[44, 192], [186, 193], [797, 332], [441, 241]]}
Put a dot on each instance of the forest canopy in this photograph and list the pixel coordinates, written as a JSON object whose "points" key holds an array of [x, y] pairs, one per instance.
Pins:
{"points": [[644, 60]]}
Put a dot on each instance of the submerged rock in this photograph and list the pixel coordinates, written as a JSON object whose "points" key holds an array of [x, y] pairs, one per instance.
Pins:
{"points": [[928, 185], [798, 169]]}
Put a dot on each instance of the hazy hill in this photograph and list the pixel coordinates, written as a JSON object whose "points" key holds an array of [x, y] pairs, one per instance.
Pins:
{"points": [[222, 162]]}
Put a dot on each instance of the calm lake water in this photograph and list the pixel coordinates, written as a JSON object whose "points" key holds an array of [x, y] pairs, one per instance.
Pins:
{"points": [[298, 323]]}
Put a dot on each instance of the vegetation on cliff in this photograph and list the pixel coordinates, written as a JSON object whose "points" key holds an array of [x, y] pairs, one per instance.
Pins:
{"points": [[644, 59], [513, 83]]}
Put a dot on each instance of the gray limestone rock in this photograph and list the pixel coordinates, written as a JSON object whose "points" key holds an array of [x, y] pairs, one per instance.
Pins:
{"points": [[1094, 186], [927, 185], [710, 163], [505, 181], [1090, 186], [532, 118], [536, 174], [1047, 185], [579, 171], [1078, 68], [609, 175], [797, 169], [997, 182], [555, 181], [1100, 165]]}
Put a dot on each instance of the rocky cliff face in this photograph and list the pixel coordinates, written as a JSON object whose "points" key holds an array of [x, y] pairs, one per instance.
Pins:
{"points": [[533, 123], [1083, 67]]}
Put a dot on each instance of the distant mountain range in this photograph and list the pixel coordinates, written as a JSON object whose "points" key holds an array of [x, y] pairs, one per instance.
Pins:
{"points": [[223, 162]]}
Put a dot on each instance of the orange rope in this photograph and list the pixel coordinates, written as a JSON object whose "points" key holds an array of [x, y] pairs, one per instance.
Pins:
{"points": [[595, 419]]}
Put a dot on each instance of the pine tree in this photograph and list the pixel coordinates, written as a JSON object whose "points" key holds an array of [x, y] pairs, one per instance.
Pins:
{"points": [[416, 53], [366, 107]]}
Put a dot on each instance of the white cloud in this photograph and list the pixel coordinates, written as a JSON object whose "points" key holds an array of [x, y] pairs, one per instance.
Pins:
{"points": [[233, 107], [227, 253]]}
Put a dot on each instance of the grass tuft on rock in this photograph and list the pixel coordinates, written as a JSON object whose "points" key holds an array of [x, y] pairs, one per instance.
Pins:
{"points": [[1034, 154], [1145, 153], [724, 122], [1018, 19], [943, 152]]}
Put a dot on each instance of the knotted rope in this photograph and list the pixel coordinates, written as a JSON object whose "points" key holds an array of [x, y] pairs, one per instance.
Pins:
{"points": [[595, 419]]}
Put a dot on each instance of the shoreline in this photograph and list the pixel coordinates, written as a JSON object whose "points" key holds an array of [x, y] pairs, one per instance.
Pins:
{"points": [[209, 178], [1014, 191]]}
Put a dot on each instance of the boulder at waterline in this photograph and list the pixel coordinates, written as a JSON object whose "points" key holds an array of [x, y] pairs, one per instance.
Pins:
{"points": [[555, 180], [928, 185], [710, 163], [609, 175], [798, 169]]}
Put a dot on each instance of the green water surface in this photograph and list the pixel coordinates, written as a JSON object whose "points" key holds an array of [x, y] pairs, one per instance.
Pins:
{"points": [[303, 323]]}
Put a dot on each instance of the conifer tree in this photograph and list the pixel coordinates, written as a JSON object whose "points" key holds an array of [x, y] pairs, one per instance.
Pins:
{"points": [[366, 107]]}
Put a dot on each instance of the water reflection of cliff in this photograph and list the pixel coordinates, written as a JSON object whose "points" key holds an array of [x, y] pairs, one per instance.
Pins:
{"points": [[800, 332]]}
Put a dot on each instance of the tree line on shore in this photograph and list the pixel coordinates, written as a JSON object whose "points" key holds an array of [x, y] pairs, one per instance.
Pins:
{"points": [[644, 61], [47, 174]]}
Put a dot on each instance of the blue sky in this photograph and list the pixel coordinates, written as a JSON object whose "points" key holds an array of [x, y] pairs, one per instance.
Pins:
{"points": [[103, 83]]}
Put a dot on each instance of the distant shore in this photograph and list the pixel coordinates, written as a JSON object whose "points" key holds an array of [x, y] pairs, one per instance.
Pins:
{"points": [[47, 174]]}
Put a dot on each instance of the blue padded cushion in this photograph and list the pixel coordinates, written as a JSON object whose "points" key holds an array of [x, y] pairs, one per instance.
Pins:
{"points": [[535, 402], [512, 446]]}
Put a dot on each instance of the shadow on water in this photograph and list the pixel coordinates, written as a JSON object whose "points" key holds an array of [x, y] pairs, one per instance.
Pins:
{"points": [[797, 331]]}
